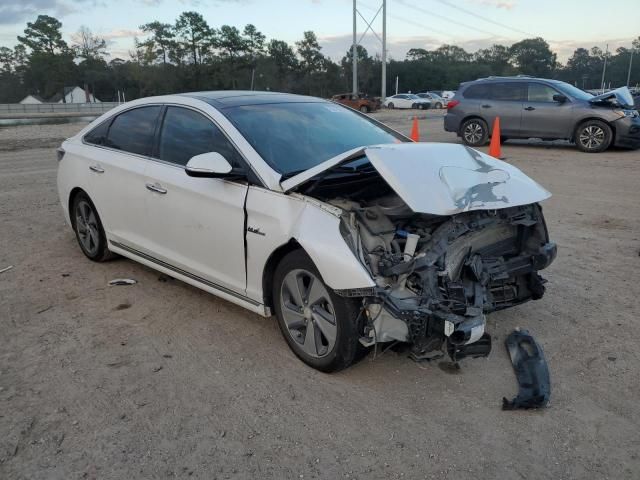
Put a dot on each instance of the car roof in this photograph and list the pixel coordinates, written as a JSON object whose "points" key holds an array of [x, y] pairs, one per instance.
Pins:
{"points": [[233, 98]]}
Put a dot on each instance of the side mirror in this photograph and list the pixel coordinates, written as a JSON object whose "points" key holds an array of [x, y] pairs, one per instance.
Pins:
{"points": [[208, 165], [559, 98]]}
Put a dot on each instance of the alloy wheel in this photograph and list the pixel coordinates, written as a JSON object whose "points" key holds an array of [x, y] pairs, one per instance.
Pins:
{"points": [[473, 133], [591, 137], [308, 313], [87, 227]]}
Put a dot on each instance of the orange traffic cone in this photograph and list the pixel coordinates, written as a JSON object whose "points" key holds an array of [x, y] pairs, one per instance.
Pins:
{"points": [[415, 133], [494, 146]]}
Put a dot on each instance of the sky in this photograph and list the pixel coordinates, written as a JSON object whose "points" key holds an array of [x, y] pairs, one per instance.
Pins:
{"points": [[471, 24]]}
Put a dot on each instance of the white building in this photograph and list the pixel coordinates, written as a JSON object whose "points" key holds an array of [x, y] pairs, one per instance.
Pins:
{"points": [[73, 95]]}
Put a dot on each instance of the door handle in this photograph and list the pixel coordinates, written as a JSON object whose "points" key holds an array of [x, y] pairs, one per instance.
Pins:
{"points": [[156, 188], [96, 168], [528, 109], [486, 106]]}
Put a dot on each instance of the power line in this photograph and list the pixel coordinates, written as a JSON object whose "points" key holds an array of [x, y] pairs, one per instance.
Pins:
{"points": [[477, 15], [410, 22], [442, 17]]}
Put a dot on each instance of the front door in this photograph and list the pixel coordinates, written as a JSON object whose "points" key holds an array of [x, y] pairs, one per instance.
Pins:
{"points": [[544, 117], [196, 225]]}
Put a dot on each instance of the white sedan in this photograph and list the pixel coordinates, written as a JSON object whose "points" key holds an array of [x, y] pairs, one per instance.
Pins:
{"points": [[407, 100], [295, 206]]}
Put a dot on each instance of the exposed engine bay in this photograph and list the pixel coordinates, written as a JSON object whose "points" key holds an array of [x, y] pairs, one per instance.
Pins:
{"points": [[438, 276]]}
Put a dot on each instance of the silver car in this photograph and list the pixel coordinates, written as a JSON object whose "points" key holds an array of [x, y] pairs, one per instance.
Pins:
{"points": [[539, 108]]}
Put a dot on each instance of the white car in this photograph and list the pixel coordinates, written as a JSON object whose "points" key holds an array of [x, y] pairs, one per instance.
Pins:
{"points": [[343, 228], [407, 100]]}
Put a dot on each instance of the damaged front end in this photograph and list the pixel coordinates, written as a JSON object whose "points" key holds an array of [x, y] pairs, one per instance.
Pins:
{"points": [[437, 277], [447, 233]]}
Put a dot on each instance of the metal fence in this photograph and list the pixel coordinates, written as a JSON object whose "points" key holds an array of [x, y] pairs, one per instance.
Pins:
{"points": [[57, 107]]}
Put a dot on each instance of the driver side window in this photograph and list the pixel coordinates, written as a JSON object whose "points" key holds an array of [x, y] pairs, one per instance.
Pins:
{"points": [[186, 133], [541, 93]]}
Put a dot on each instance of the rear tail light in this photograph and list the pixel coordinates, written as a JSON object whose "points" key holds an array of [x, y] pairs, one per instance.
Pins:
{"points": [[452, 103]]}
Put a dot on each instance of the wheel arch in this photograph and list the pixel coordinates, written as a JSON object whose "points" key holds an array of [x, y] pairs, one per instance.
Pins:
{"points": [[590, 118], [270, 269], [471, 117], [72, 195]]}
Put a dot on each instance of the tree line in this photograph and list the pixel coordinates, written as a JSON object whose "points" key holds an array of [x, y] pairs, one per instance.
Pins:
{"points": [[190, 55]]}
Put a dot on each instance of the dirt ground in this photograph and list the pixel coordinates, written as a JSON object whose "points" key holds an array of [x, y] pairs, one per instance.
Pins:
{"points": [[161, 380]]}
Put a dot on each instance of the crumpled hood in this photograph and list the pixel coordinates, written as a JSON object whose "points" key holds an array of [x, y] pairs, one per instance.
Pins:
{"points": [[440, 178], [622, 95]]}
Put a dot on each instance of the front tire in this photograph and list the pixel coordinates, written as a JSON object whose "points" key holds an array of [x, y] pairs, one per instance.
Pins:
{"points": [[391, 106], [88, 228], [438, 105], [474, 132], [319, 326], [364, 109], [593, 136]]}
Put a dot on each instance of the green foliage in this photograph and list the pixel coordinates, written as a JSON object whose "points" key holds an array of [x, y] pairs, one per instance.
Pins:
{"points": [[44, 35], [189, 55]]}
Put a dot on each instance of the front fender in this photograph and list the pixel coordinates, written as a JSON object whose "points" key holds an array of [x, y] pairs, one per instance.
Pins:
{"points": [[275, 219], [318, 232]]}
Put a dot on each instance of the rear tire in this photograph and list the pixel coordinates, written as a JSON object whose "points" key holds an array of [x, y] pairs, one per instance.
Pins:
{"points": [[474, 132], [88, 228], [320, 327], [593, 136]]}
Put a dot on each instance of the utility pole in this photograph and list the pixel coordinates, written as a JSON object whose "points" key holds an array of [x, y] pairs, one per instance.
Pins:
{"points": [[356, 42], [604, 67], [354, 51], [384, 51], [630, 63]]}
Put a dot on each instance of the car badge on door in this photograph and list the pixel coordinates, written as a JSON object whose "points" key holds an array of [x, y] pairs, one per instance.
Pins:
{"points": [[256, 231]]}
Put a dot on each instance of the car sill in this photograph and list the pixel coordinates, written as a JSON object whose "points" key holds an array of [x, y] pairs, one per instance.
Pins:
{"points": [[193, 279]]}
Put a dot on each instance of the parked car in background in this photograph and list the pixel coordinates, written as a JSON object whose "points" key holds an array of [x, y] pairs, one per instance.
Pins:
{"points": [[436, 100], [407, 100], [447, 94], [274, 202], [362, 102], [540, 108]]}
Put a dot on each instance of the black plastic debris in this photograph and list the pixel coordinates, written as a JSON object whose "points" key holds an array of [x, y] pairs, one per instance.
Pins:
{"points": [[531, 370], [479, 348]]}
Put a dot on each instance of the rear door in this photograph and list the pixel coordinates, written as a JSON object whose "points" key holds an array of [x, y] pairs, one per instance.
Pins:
{"points": [[505, 101], [196, 225], [119, 153], [544, 117]]}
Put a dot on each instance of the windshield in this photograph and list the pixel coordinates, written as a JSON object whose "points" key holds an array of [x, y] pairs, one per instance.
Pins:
{"points": [[573, 92], [293, 137]]}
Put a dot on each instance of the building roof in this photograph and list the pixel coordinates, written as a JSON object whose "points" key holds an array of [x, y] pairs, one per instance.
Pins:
{"points": [[37, 97], [235, 98]]}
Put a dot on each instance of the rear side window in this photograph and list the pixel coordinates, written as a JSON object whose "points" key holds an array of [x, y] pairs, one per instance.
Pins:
{"points": [[133, 131], [508, 91], [478, 91], [539, 92], [98, 136], [186, 133]]}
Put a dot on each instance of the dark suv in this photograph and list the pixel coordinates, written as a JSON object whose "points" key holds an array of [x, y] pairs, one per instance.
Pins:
{"points": [[539, 108]]}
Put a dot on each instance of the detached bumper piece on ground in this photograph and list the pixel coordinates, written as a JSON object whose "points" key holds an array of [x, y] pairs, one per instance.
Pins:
{"points": [[531, 370]]}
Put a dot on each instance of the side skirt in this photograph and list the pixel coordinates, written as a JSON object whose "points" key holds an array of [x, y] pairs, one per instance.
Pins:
{"points": [[190, 278]]}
